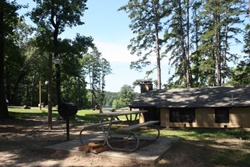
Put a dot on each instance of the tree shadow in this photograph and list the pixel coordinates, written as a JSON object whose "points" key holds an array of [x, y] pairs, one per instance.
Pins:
{"points": [[206, 153], [24, 141]]}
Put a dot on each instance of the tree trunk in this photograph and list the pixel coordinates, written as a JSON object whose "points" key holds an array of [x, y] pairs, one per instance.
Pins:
{"points": [[50, 92], [182, 43], [57, 65], [55, 21], [3, 105], [218, 50], [158, 54], [187, 51]]}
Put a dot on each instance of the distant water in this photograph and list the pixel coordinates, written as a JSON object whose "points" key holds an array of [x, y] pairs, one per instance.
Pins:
{"points": [[107, 108]]}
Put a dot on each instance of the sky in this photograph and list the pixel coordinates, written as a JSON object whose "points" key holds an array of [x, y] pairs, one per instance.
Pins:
{"points": [[111, 33]]}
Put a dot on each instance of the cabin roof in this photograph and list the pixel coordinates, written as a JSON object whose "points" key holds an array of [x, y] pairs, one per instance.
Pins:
{"points": [[235, 96]]}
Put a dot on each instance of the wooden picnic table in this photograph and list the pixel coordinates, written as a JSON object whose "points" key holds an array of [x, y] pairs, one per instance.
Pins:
{"points": [[129, 128]]}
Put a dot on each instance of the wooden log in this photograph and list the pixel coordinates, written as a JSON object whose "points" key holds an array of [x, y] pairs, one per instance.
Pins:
{"points": [[99, 150], [95, 145], [85, 148]]}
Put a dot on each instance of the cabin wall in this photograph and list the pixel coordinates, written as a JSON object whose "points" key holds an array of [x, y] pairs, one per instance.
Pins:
{"points": [[164, 117], [205, 118], [240, 117]]}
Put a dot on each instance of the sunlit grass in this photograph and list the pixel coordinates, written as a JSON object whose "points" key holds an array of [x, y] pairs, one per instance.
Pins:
{"points": [[82, 114], [204, 134], [188, 134], [35, 111]]}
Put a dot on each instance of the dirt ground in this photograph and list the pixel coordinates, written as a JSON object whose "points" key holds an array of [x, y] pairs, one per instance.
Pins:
{"points": [[22, 143]]}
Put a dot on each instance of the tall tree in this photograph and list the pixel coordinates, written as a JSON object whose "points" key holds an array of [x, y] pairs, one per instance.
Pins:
{"points": [[221, 20], [97, 68], [199, 78], [146, 21], [3, 109], [178, 41], [213, 25], [54, 16], [18, 63], [8, 21], [187, 64], [73, 82]]}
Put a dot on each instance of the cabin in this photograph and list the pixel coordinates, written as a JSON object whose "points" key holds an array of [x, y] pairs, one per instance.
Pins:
{"points": [[210, 107]]}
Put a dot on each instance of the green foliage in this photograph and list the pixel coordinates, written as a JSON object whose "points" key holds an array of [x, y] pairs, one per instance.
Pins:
{"points": [[117, 103], [221, 20], [9, 47], [74, 90], [109, 98], [126, 96], [147, 23], [51, 19], [23, 71], [241, 74], [246, 48], [58, 14], [177, 34], [96, 68], [213, 27]]}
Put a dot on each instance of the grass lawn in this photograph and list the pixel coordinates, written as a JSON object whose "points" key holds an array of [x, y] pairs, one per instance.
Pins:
{"points": [[196, 147], [35, 111], [209, 147]]}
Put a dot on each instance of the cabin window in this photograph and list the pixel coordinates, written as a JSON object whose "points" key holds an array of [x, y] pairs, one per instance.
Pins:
{"points": [[221, 115], [182, 115]]}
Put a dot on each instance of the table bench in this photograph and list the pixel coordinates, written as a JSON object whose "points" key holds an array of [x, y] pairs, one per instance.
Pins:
{"points": [[139, 125], [131, 129]]}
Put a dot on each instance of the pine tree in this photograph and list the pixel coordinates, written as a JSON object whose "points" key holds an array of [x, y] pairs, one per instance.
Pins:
{"points": [[146, 22], [195, 56], [97, 68], [177, 35], [220, 19]]}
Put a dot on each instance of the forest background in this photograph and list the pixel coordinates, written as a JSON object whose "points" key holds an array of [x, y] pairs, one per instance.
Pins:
{"points": [[206, 44]]}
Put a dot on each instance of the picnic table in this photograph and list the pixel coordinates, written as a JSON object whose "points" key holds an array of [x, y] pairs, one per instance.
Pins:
{"points": [[129, 128]]}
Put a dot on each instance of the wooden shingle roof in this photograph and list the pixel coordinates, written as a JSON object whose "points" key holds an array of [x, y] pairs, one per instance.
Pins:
{"points": [[236, 96]]}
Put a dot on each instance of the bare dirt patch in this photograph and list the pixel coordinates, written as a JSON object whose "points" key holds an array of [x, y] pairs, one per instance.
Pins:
{"points": [[23, 143]]}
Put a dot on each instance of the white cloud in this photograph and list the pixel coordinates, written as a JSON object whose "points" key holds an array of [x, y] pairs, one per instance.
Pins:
{"points": [[115, 52], [118, 52], [119, 57]]}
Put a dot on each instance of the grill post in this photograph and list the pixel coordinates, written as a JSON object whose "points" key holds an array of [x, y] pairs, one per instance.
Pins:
{"points": [[66, 110]]}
